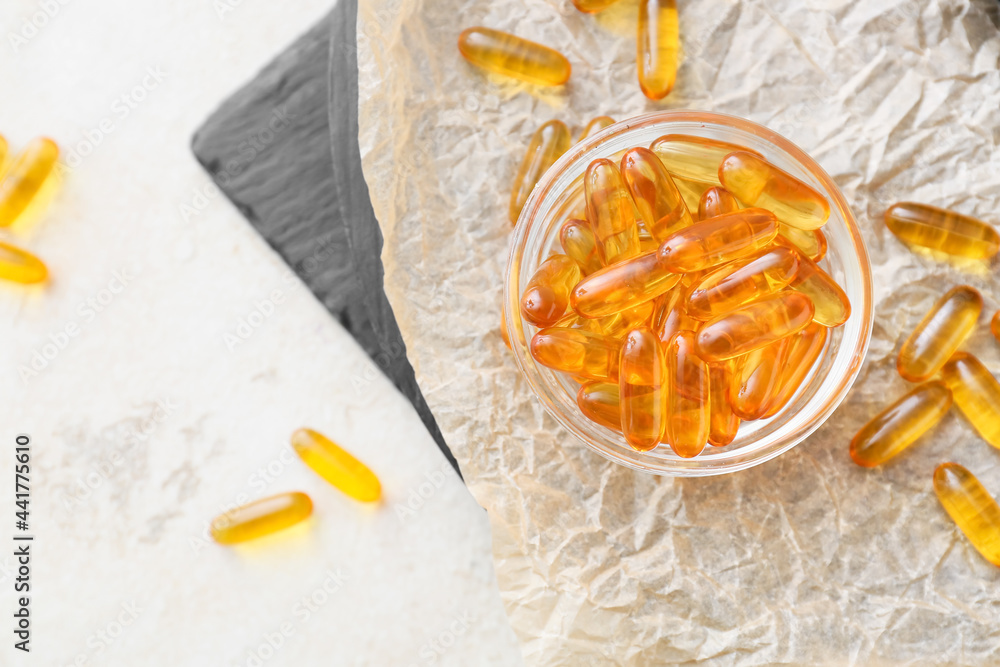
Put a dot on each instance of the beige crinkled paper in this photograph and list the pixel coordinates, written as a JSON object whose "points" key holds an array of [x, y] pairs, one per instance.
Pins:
{"points": [[807, 558]]}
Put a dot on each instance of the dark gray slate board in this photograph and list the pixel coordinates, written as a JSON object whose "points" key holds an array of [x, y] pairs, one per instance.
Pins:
{"points": [[284, 150]]}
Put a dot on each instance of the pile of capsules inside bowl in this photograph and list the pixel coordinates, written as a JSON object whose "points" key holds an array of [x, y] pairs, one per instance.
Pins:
{"points": [[679, 323]]}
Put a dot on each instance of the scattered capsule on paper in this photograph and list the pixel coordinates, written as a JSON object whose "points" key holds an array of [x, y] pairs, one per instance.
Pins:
{"points": [[971, 507], [942, 230], [513, 56], [977, 394], [336, 465], [25, 177], [548, 143], [657, 47], [940, 333], [901, 424], [20, 266], [261, 517]]}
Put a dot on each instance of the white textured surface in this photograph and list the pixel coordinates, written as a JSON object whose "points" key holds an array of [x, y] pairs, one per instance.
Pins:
{"points": [[135, 539]]}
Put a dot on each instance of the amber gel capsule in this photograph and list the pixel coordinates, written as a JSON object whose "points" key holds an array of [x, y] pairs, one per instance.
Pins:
{"points": [[833, 308], [336, 465], [619, 324], [942, 230], [755, 325], [716, 201], [718, 240], [723, 422], [622, 286], [757, 182], [995, 326], [742, 281], [261, 517], [940, 334], [755, 383], [671, 314], [977, 394], [20, 265], [611, 211], [804, 349], [596, 125], [693, 158], [810, 242], [593, 6], [546, 295], [642, 387], [513, 56], [577, 352], [656, 197], [971, 507], [901, 424], [657, 44], [600, 402], [688, 397], [25, 177], [578, 241], [549, 142]]}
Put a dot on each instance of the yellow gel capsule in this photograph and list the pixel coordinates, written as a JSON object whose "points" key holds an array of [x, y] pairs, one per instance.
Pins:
{"points": [[619, 324], [942, 230], [642, 387], [693, 158], [833, 308], [660, 205], [757, 182], [611, 211], [688, 397], [593, 6], [691, 192], [600, 402], [742, 281], [940, 333], [25, 177], [804, 349], [622, 286], [20, 265], [596, 125], [513, 56], [901, 424], [977, 394], [810, 242], [716, 201], [261, 517], [549, 142], [657, 43], [755, 383], [546, 296], [718, 240], [971, 507], [755, 325], [995, 326], [578, 241], [336, 465], [723, 422], [577, 352], [671, 314]]}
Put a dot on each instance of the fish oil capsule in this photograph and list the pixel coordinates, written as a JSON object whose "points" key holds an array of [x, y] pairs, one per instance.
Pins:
{"points": [[742, 281], [611, 211], [691, 192], [716, 201], [20, 265], [642, 380], [622, 286], [810, 242], [619, 324], [600, 402], [513, 56], [755, 383], [336, 465], [657, 44], [757, 182], [688, 397], [656, 198], [971, 507], [671, 315], [723, 422], [833, 308], [577, 352], [940, 333], [995, 326], [261, 517], [595, 125], [578, 241], [546, 295], [718, 240], [755, 325], [977, 394], [693, 158], [549, 142], [25, 177], [804, 349], [593, 6], [942, 230], [901, 424]]}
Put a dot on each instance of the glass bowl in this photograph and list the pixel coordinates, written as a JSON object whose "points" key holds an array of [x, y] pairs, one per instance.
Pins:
{"points": [[559, 195]]}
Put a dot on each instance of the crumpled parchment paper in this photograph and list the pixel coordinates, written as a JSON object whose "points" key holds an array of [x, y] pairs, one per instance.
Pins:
{"points": [[807, 558]]}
